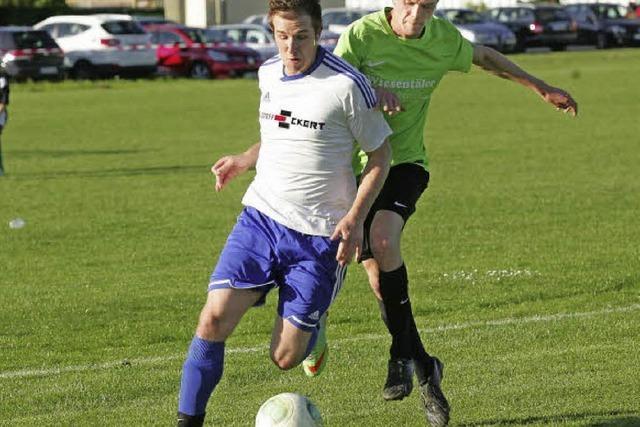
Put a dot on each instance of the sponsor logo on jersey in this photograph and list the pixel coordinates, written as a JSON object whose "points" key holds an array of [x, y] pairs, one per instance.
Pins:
{"points": [[374, 63], [402, 84], [286, 119]]}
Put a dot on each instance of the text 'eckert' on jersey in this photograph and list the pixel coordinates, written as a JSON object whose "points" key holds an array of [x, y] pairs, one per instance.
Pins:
{"points": [[286, 119]]}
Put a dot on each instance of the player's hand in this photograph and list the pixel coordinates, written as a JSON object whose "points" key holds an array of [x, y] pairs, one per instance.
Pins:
{"points": [[561, 100], [350, 233], [227, 168], [388, 102]]}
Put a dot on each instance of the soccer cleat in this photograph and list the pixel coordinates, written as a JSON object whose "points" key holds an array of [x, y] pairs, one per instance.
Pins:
{"points": [[185, 420], [436, 407], [399, 379], [317, 359]]}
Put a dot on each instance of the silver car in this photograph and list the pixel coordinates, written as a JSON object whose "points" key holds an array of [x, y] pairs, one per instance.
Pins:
{"points": [[478, 29]]}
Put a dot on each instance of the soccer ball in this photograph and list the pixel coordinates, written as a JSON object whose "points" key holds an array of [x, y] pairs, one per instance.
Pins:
{"points": [[288, 410]]}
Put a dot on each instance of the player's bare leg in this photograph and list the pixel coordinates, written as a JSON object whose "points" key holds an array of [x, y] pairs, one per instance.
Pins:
{"points": [[203, 367]]}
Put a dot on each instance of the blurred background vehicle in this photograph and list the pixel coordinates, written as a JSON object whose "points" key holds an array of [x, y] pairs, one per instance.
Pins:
{"points": [[257, 20], [542, 24], [604, 25], [338, 19], [102, 45], [152, 19], [253, 36], [188, 51], [26, 53], [328, 40], [479, 29]]}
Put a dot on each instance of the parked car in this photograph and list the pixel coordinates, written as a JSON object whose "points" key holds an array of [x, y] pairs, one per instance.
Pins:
{"points": [[338, 19], [260, 19], [187, 51], [261, 39], [604, 25], [538, 24], [26, 53], [328, 40], [479, 29], [252, 36], [101, 45]]}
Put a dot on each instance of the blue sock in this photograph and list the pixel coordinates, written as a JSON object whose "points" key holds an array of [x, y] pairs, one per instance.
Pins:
{"points": [[201, 373]]}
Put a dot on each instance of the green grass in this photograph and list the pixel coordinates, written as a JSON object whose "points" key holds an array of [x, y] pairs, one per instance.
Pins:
{"points": [[523, 255]]}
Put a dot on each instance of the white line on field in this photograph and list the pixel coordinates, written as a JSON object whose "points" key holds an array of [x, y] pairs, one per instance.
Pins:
{"points": [[26, 373]]}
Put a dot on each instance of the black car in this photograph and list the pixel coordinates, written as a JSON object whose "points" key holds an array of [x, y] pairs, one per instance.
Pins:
{"points": [[26, 53], [537, 25], [604, 25]]}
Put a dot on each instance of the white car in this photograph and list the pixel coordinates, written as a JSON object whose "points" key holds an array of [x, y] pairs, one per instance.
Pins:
{"points": [[102, 45]]}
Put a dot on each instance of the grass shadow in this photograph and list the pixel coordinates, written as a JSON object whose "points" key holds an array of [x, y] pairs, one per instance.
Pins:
{"points": [[110, 173], [614, 419], [30, 154]]}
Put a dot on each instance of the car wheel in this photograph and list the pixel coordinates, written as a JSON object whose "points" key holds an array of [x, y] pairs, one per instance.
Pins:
{"points": [[200, 70], [83, 70], [601, 41]]}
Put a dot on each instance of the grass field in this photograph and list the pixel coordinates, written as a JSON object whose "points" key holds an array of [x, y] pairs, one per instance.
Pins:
{"points": [[524, 255]]}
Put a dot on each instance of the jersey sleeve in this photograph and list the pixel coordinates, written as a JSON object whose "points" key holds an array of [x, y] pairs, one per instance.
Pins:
{"points": [[350, 47], [464, 54], [367, 124]]}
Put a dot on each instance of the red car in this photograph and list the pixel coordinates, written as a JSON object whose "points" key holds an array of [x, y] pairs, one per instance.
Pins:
{"points": [[189, 52]]}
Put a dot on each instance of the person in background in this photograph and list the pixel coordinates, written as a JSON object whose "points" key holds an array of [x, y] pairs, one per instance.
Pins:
{"points": [[4, 101]]}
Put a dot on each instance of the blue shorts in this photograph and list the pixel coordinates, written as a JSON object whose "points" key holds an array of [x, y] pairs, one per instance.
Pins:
{"points": [[261, 254]]}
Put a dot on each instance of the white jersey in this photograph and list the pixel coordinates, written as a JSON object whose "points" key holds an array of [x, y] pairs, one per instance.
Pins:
{"points": [[309, 124]]}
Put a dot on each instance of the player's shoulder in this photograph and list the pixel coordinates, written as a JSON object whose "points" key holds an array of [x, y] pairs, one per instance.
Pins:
{"points": [[367, 26], [442, 28], [347, 78], [272, 66]]}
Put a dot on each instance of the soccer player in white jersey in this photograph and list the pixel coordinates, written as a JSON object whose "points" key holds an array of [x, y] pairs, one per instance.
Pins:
{"points": [[303, 216]]}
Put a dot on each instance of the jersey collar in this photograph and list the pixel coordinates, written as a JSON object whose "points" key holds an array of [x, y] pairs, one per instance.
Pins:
{"points": [[316, 63]]}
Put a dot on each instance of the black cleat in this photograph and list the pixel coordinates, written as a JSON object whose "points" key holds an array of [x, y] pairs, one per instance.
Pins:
{"points": [[185, 420], [436, 407], [399, 379]]}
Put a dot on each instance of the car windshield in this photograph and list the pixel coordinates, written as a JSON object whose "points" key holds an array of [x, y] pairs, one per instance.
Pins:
{"points": [[552, 15], [33, 40], [461, 17], [605, 11], [122, 27], [196, 35]]}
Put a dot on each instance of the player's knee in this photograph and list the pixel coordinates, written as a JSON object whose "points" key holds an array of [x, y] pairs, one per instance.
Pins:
{"points": [[213, 327], [382, 246]]}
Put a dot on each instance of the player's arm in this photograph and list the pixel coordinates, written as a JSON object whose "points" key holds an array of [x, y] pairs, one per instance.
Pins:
{"points": [[496, 63], [350, 229], [228, 167]]}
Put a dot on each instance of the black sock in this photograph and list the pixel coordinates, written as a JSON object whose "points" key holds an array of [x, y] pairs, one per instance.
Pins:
{"points": [[397, 311], [422, 359]]}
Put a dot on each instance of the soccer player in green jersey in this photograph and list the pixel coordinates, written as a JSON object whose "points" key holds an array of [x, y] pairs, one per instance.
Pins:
{"points": [[405, 52]]}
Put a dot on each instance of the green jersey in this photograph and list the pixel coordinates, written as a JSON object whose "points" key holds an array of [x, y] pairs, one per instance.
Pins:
{"points": [[411, 68]]}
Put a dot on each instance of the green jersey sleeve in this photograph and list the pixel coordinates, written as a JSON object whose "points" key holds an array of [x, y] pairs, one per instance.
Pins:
{"points": [[464, 54]]}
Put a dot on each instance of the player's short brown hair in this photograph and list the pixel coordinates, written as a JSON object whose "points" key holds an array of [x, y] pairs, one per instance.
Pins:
{"points": [[308, 7]]}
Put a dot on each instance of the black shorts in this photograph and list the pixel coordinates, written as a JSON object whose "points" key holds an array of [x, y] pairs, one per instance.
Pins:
{"points": [[403, 187]]}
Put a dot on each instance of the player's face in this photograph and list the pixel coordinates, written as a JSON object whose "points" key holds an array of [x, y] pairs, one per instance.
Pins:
{"points": [[410, 16], [296, 39]]}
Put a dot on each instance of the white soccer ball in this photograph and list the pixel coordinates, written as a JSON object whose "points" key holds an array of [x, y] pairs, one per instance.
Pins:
{"points": [[288, 410]]}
